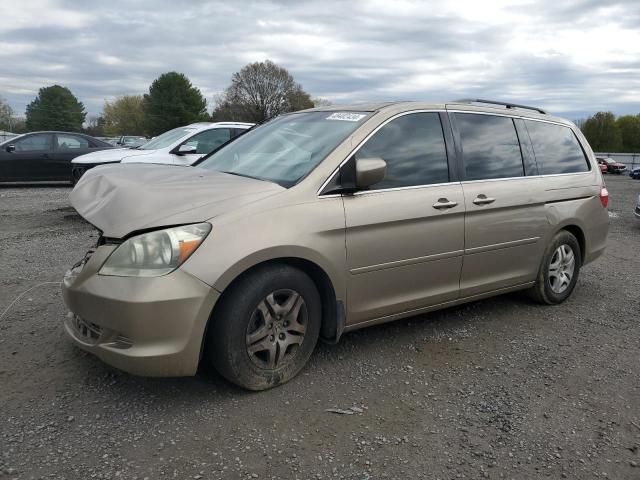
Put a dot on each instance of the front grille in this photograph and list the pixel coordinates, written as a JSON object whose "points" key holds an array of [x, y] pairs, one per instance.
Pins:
{"points": [[87, 331]]}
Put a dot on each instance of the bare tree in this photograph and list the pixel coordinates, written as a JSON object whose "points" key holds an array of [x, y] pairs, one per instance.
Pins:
{"points": [[6, 115], [260, 91]]}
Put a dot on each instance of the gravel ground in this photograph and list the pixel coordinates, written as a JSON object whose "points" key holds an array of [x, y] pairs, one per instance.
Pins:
{"points": [[500, 388]]}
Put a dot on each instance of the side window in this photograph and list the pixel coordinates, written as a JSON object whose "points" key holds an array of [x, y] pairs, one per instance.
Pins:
{"points": [[33, 143], [414, 149], [556, 148], [209, 140], [70, 142], [490, 147]]}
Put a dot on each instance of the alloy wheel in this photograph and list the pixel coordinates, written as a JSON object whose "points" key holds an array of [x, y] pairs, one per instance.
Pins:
{"points": [[277, 329], [561, 268]]}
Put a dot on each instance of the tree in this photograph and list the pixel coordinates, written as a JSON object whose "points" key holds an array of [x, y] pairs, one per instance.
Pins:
{"points": [[6, 115], [95, 126], [55, 108], [629, 126], [124, 116], [172, 101], [321, 102], [260, 91], [602, 132]]}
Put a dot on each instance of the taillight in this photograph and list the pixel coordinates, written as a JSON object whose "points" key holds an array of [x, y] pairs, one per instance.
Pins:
{"points": [[604, 196]]}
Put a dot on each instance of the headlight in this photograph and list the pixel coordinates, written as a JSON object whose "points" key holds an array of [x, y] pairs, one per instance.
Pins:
{"points": [[155, 253]]}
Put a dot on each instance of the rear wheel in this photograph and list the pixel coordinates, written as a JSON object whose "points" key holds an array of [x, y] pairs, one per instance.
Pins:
{"points": [[559, 270], [266, 327]]}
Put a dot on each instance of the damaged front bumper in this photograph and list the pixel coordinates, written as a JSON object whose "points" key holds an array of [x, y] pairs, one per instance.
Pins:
{"points": [[145, 326]]}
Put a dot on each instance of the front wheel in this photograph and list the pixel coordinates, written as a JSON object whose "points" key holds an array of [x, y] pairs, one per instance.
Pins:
{"points": [[266, 327], [559, 270]]}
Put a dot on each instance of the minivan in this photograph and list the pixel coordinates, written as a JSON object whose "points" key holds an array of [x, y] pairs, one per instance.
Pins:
{"points": [[324, 221]]}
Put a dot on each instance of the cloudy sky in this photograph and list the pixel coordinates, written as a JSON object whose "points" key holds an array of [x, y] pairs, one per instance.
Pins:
{"points": [[571, 57]]}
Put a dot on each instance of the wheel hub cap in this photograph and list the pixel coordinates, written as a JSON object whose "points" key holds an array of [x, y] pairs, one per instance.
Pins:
{"points": [[276, 329], [561, 268]]}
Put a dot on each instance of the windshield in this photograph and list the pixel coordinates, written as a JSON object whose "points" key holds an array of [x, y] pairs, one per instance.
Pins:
{"points": [[166, 139], [286, 148]]}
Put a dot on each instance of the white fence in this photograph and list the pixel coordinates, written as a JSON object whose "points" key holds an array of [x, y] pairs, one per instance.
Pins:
{"points": [[631, 160]]}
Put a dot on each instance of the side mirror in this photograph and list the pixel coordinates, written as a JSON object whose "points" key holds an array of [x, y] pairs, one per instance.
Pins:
{"points": [[370, 171], [186, 149], [10, 148]]}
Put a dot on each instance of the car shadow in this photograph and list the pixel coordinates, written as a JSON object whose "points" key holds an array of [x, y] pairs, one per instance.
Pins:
{"points": [[443, 327]]}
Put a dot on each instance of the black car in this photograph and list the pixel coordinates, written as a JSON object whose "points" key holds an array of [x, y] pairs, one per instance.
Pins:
{"points": [[44, 156]]}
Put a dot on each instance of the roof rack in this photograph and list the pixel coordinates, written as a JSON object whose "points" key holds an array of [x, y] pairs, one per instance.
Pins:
{"points": [[505, 104]]}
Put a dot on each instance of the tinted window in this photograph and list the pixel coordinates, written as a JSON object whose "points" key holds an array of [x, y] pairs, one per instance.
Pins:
{"points": [[33, 142], [166, 139], [414, 149], [556, 148], [71, 142], [209, 140], [490, 147]]}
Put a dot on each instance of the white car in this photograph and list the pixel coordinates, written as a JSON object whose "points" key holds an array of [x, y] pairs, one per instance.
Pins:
{"points": [[180, 146]]}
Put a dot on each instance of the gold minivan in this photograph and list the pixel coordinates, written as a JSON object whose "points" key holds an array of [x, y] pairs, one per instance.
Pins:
{"points": [[324, 221]]}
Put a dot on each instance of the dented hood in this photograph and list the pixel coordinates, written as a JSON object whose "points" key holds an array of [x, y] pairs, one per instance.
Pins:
{"points": [[120, 199]]}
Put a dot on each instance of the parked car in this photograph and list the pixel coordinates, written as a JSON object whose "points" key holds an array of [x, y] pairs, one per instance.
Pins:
{"points": [[180, 146], [637, 211], [612, 165], [604, 168], [325, 221], [131, 141], [44, 156], [635, 173], [110, 140]]}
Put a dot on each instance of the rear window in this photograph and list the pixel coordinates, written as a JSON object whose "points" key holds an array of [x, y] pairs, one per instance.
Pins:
{"points": [[556, 148], [490, 147]]}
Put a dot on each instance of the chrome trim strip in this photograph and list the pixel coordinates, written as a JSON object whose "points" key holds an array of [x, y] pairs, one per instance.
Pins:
{"points": [[373, 132], [465, 182], [498, 246], [398, 189], [588, 172], [408, 261]]}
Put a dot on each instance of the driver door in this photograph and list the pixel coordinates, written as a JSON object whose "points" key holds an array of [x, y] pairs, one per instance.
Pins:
{"points": [[30, 159], [405, 235]]}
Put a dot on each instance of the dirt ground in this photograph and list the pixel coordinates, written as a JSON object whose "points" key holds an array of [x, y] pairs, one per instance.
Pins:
{"points": [[501, 388]]}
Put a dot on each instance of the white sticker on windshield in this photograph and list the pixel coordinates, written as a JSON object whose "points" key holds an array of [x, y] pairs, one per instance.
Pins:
{"points": [[346, 116]]}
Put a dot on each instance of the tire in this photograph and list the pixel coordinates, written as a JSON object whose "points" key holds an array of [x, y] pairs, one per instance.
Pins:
{"points": [[255, 340], [551, 287]]}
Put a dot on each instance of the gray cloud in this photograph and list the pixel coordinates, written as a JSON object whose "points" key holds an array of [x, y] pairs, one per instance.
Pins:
{"points": [[571, 57]]}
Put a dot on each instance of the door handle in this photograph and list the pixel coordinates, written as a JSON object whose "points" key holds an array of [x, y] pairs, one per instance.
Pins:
{"points": [[443, 203], [482, 199], [45, 155]]}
